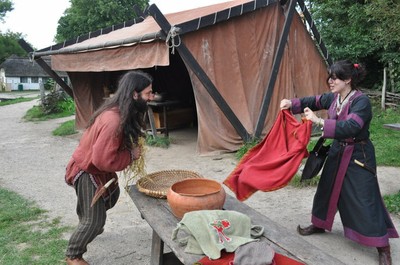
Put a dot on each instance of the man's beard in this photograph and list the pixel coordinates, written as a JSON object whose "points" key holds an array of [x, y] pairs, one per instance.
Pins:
{"points": [[140, 105]]}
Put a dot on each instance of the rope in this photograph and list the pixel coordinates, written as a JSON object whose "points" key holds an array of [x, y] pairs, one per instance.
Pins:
{"points": [[173, 35]]}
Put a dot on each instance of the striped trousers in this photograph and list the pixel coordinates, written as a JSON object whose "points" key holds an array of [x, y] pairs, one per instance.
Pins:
{"points": [[91, 219]]}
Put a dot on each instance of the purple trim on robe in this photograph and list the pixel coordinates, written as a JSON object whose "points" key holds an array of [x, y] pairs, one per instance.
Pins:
{"points": [[356, 118], [337, 187], [332, 108], [320, 223], [381, 241], [318, 102], [296, 106], [329, 128]]}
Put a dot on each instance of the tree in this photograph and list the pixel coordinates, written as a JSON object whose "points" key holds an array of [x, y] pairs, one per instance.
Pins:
{"points": [[90, 15], [9, 45], [365, 31], [385, 15], [5, 6]]}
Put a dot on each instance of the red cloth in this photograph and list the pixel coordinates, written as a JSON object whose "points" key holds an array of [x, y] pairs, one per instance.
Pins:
{"points": [[272, 163], [227, 259]]}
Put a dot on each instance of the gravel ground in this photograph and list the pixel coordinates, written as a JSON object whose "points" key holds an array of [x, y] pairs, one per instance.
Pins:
{"points": [[33, 165]]}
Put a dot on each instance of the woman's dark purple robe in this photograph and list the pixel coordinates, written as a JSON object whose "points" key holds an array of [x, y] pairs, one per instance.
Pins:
{"points": [[344, 185]]}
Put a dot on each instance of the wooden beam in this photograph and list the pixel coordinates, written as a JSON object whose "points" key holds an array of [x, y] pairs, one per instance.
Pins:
{"points": [[315, 32], [189, 59], [47, 68], [275, 68]]}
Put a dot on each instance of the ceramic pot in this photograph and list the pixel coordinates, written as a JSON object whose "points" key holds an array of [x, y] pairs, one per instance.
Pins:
{"points": [[195, 194]]}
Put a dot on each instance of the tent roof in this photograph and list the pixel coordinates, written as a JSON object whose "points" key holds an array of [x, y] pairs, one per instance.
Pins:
{"points": [[148, 30]]}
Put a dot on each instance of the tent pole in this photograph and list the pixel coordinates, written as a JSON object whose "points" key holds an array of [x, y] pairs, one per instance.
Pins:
{"points": [[275, 68], [317, 36], [47, 68], [188, 57]]}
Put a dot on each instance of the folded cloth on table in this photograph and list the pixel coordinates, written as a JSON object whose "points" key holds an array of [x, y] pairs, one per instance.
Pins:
{"points": [[271, 164], [210, 231], [254, 253]]}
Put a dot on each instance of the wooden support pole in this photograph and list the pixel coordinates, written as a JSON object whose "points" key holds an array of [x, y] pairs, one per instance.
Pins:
{"points": [[275, 68], [47, 68], [189, 59], [383, 100], [315, 32]]}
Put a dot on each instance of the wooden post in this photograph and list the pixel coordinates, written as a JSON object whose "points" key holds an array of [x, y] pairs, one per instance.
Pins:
{"points": [[41, 88], [383, 105], [275, 69], [47, 68], [189, 59]]}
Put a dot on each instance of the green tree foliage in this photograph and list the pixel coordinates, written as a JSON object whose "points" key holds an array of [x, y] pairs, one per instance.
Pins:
{"points": [[9, 45], [90, 15], [5, 6], [365, 31]]}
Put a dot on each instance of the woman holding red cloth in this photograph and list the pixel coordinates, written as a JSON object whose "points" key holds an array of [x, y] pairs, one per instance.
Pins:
{"points": [[346, 184]]}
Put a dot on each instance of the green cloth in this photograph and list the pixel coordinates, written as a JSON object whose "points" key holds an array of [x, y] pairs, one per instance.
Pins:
{"points": [[209, 231]]}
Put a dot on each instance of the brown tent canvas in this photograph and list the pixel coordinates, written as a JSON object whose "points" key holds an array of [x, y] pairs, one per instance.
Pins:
{"points": [[237, 55]]}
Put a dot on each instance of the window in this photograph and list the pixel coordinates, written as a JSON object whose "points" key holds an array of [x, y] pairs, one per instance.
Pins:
{"points": [[24, 79], [35, 80]]}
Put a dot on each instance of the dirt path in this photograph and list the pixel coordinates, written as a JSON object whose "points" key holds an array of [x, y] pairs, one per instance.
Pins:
{"points": [[33, 164]]}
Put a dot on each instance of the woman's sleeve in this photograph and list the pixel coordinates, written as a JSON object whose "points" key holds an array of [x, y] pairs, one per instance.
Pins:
{"points": [[315, 103]]}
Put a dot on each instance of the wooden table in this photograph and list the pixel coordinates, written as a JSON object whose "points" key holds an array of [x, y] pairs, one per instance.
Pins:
{"points": [[158, 215], [393, 126], [164, 105]]}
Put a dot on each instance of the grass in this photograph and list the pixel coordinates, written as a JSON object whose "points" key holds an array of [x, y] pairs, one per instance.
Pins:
{"points": [[26, 234], [16, 100], [157, 141], [66, 128], [392, 202], [36, 113]]}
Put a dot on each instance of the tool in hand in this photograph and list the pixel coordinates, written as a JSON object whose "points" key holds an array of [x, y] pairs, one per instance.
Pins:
{"points": [[101, 191]]}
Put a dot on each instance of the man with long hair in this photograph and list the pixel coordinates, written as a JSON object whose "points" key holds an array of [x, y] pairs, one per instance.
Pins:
{"points": [[109, 144]]}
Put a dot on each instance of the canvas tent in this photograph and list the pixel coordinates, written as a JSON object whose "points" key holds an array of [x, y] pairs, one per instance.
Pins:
{"points": [[232, 62]]}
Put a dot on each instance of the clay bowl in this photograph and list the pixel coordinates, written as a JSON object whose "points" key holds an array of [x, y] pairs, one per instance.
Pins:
{"points": [[195, 194]]}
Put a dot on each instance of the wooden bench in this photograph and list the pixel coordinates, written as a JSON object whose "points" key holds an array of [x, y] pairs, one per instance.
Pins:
{"points": [[158, 215]]}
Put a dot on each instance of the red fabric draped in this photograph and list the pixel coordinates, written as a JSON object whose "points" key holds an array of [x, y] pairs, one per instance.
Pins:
{"points": [[272, 163], [227, 259]]}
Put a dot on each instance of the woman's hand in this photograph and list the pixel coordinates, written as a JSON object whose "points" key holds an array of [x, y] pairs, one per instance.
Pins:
{"points": [[310, 115], [286, 104]]}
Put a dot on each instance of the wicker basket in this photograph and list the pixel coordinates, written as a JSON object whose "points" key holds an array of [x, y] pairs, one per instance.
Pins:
{"points": [[158, 183]]}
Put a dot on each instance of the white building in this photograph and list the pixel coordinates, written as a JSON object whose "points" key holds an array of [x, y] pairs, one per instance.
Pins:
{"points": [[19, 73]]}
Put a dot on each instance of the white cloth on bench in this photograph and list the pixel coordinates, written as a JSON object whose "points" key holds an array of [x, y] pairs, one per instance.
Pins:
{"points": [[209, 231]]}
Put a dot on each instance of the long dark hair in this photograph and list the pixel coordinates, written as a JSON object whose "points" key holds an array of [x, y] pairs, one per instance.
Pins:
{"points": [[345, 69], [132, 120]]}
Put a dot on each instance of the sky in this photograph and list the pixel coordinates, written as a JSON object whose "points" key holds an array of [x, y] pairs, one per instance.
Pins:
{"points": [[37, 20]]}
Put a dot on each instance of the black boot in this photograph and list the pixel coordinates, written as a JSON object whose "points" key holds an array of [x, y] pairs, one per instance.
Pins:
{"points": [[384, 255], [309, 230]]}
